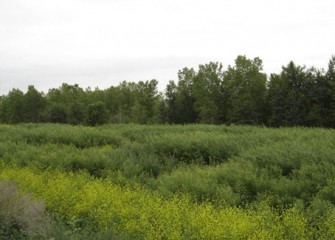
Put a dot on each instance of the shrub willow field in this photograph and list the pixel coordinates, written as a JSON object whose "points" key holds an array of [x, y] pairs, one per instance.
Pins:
{"points": [[166, 182]]}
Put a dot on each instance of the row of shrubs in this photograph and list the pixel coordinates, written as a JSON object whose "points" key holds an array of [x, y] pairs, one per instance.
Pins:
{"points": [[236, 164]]}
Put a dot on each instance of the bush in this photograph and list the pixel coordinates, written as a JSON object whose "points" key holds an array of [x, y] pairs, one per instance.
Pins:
{"points": [[20, 217], [96, 114]]}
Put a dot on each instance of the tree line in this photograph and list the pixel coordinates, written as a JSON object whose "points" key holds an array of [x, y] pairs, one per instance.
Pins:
{"points": [[240, 94]]}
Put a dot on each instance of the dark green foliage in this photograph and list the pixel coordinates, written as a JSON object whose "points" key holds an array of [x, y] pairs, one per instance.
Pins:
{"points": [[171, 101], [96, 114], [34, 105], [289, 96], [12, 107], [241, 94], [329, 109], [185, 98], [208, 94], [146, 96], [245, 90], [57, 113], [66, 104]]}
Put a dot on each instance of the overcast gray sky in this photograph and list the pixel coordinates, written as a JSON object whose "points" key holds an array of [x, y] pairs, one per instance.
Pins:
{"points": [[100, 43]]}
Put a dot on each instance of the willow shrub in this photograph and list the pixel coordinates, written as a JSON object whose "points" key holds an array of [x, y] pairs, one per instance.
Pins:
{"points": [[78, 136], [232, 164]]}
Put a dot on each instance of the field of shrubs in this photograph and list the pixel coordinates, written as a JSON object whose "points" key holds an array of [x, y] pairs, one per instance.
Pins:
{"points": [[166, 182]]}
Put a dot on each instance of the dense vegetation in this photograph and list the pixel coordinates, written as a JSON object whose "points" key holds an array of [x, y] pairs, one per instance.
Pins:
{"points": [[166, 182], [241, 94]]}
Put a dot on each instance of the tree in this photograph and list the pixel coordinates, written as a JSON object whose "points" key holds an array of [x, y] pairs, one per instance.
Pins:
{"points": [[34, 105], [330, 78], [57, 113], [72, 98], [278, 100], [290, 96], [185, 99], [96, 114], [124, 101], [320, 100], [171, 102], [207, 89], [162, 111], [12, 107], [146, 99], [244, 90], [112, 101]]}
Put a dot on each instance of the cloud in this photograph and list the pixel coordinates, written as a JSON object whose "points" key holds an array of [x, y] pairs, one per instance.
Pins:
{"points": [[101, 73], [99, 43]]}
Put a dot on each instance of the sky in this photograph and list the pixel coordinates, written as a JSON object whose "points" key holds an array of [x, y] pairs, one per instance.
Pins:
{"points": [[99, 43]]}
